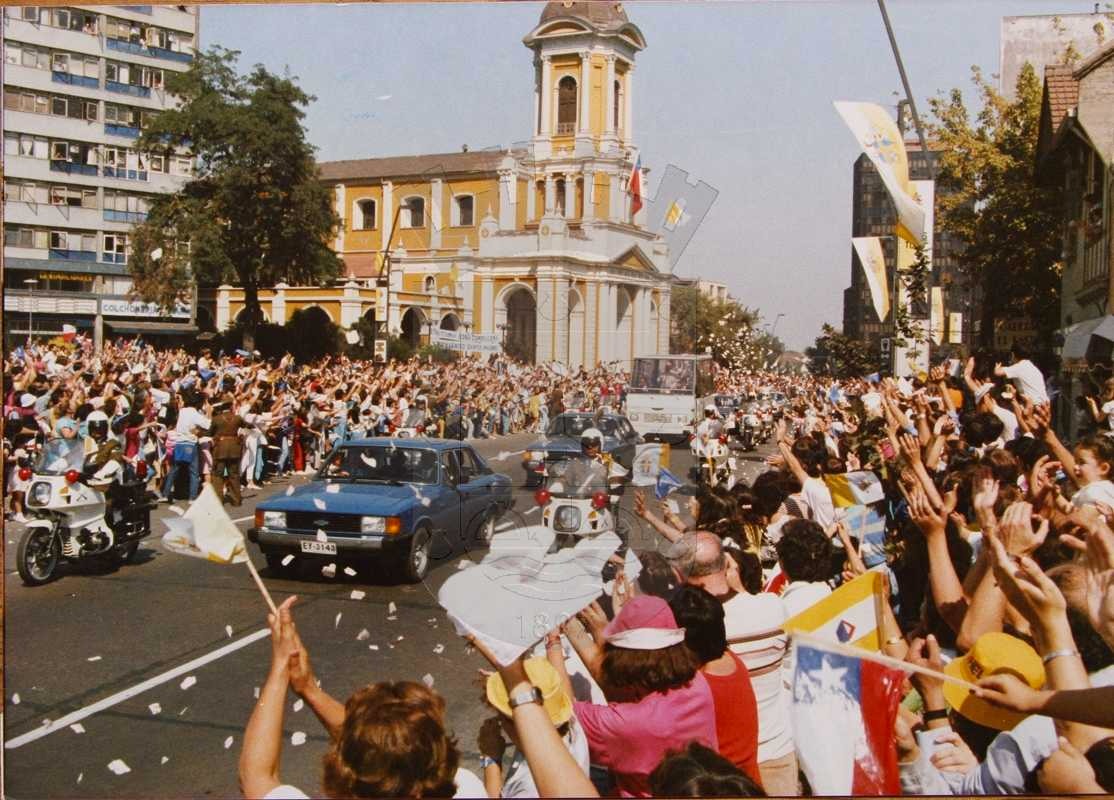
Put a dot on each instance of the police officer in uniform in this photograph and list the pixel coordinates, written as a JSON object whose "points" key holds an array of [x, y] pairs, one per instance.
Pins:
{"points": [[227, 449]]}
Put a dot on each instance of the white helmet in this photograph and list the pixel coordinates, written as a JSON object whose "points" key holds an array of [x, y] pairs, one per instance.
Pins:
{"points": [[589, 435]]}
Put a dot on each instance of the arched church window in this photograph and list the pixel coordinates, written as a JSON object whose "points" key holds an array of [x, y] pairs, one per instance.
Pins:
{"points": [[566, 105], [615, 106]]}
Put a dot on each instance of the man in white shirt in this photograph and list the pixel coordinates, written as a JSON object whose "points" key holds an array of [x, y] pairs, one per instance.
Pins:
{"points": [[190, 423], [1026, 377]]}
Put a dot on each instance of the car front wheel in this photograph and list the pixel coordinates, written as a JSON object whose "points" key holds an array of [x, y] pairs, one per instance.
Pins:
{"points": [[417, 555]]}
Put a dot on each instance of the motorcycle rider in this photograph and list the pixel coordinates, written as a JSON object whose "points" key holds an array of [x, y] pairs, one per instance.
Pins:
{"points": [[593, 470], [708, 431]]}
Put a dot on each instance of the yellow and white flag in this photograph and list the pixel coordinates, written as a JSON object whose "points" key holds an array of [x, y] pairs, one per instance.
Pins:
{"points": [[206, 531], [869, 250], [849, 615], [878, 135], [936, 313]]}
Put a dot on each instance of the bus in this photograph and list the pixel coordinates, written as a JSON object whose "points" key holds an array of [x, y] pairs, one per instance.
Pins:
{"points": [[667, 394]]}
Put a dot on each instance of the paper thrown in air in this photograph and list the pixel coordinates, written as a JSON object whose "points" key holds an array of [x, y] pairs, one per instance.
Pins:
{"points": [[520, 591], [206, 531]]}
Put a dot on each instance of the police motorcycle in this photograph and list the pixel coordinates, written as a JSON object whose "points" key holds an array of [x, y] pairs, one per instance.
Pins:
{"points": [[82, 507], [416, 422], [580, 496], [747, 427]]}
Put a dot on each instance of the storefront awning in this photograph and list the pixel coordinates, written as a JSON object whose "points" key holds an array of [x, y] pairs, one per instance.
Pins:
{"points": [[153, 328], [1077, 338]]}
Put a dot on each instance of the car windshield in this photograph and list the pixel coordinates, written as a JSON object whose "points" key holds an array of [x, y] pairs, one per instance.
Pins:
{"points": [[573, 426], [387, 463], [61, 455]]}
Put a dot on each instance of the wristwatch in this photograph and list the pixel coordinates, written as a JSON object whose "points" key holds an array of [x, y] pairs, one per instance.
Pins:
{"points": [[526, 696]]}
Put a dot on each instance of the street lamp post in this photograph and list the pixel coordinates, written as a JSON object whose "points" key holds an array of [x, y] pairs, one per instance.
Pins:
{"points": [[774, 326], [386, 266], [31, 283], [502, 326]]}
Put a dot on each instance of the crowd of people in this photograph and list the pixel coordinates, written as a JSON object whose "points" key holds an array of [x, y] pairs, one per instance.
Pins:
{"points": [[996, 547]]}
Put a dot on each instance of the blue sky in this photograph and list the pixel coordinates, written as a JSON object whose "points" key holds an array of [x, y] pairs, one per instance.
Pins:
{"points": [[737, 93]]}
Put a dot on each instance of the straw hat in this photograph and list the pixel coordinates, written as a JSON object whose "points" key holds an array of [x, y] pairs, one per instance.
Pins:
{"points": [[544, 676], [993, 654]]}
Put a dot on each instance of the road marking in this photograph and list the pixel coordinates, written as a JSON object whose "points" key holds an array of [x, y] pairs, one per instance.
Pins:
{"points": [[139, 688], [238, 520]]}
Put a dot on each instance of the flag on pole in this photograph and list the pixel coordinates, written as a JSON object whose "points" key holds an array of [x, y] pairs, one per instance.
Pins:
{"points": [[843, 713], [206, 531], [849, 615], [866, 524], [854, 488], [69, 332], [869, 251], [634, 187], [881, 140], [667, 482]]}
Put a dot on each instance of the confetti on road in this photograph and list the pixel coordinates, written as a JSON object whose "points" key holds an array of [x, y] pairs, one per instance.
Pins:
{"points": [[319, 504], [15, 699], [400, 638], [392, 618], [351, 573], [363, 635], [176, 509], [183, 711], [119, 767], [357, 595], [532, 509], [188, 682], [332, 488], [154, 708], [80, 775], [256, 692], [286, 561], [77, 727], [228, 743], [439, 649], [336, 622], [163, 760], [391, 608], [228, 630], [289, 490], [427, 679], [93, 658], [297, 738], [373, 647], [299, 704], [329, 570]]}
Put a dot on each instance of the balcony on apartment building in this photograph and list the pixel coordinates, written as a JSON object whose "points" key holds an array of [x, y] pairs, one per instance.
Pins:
{"points": [[140, 49], [75, 80]]}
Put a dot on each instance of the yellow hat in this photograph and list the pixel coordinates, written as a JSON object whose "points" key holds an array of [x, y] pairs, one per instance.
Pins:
{"points": [[993, 654], [544, 676]]}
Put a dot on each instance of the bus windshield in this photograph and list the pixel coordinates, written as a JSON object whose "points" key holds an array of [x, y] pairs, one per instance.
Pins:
{"points": [[663, 375]]}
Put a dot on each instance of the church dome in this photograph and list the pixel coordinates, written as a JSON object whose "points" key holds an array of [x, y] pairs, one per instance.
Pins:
{"points": [[604, 15]]}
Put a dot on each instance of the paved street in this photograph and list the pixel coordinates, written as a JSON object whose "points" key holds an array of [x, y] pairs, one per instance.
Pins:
{"points": [[105, 643]]}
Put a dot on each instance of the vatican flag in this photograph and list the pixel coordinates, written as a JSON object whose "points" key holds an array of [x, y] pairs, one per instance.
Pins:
{"points": [[676, 215], [936, 311], [869, 251], [880, 139]]}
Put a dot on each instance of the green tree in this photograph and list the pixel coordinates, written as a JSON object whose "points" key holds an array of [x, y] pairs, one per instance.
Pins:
{"points": [[700, 322], [840, 356], [254, 213], [988, 197]]}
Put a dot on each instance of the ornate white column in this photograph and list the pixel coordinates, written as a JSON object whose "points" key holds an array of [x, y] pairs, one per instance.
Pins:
{"points": [[532, 199], [543, 322], [609, 112], [550, 194], [436, 194], [606, 335], [507, 199], [487, 305], [278, 304], [547, 97], [615, 200], [663, 321], [628, 106], [349, 304], [644, 334], [535, 123], [561, 320], [224, 313], [591, 328], [388, 213], [585, 91]]}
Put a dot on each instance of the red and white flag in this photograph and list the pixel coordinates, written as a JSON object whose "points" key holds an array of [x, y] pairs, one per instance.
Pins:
{"points": [[68, 332], [634, 188]]}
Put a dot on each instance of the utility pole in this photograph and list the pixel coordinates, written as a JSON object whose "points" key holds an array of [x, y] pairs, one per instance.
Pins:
{"points": [[386, 266]]}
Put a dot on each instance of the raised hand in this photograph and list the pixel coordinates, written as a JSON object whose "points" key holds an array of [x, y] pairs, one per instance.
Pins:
{"points": [[1016, 530]]}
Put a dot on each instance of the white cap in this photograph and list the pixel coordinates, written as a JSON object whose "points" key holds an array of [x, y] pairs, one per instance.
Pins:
{"points": [[710, 407]]}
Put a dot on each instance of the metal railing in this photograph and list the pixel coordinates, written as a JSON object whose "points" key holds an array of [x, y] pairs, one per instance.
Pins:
{"points": [[1096, 260]]}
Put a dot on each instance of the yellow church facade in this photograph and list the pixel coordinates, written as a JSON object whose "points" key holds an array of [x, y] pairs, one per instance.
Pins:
{"points": [[535, 245]]}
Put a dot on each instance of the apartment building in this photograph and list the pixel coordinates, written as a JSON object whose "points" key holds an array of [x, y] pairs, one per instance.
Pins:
{"points": [[80, 85]]}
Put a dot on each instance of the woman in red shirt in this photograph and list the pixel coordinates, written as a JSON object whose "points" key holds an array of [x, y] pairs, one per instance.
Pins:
{"points": [[701, 615]]}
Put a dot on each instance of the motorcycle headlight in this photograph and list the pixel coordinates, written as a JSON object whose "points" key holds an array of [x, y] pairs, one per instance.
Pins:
{"points": [[39, 494], [274, 519], [567, 519], [373, 524]]}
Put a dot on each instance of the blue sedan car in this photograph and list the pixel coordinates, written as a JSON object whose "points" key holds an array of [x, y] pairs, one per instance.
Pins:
{"points": [[388, 497]]}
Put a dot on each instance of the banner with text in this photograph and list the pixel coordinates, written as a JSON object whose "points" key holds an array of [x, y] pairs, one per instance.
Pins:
{"points": [[467, 342]]}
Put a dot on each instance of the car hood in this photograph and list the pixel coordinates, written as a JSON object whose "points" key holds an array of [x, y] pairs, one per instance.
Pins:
{"points": [[371, 499], [567, 444]]}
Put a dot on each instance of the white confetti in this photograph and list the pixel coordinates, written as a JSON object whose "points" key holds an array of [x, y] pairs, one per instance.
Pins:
{"points": [[426, 501], [228, 743], [80, 775], [336, 622], [322, 536], [163, 760], [532, 509], [256, 692], [289, 490], [392, 618], [363, 635], [351, 573], [319, 504], [154, 708], [329, 570], [464, 563], [15, 699], [373, 647], [299, 704], [176, 509], [391, 646], [183, 711], [297, 738], [93, 658], [332, 488], [356, 593], [439, 649], [287, 559], [119, 767], [228, 630], [400, 638], [188, 682], [391, 609], [46, 722], [77, 727], [427, 679]]}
